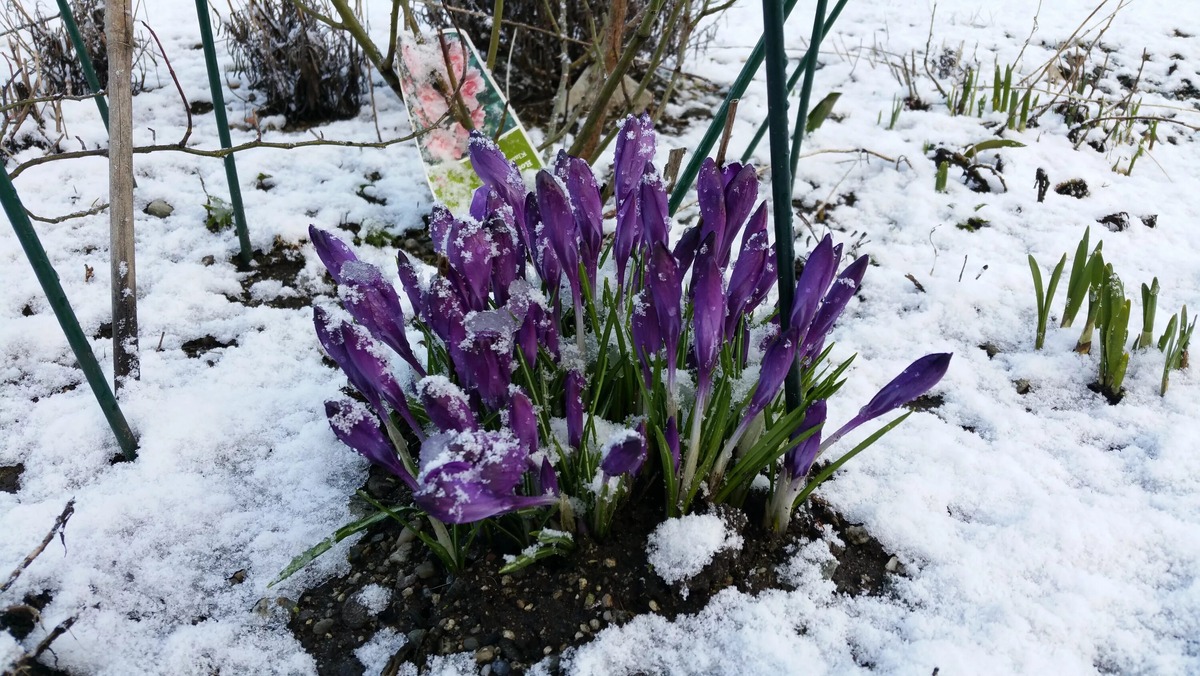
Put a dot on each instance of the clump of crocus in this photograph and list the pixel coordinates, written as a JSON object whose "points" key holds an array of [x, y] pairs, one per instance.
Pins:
{"points": [[558, 367]]}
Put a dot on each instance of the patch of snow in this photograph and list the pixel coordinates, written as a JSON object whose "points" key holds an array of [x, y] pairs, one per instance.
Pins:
{"points": [[680, 548], [374, 598], [375, 653]]}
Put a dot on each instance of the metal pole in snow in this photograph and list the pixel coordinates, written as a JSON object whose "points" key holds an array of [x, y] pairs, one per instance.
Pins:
{"points": [[781, 178], [66, 316], [85, 61], [218, 100]]}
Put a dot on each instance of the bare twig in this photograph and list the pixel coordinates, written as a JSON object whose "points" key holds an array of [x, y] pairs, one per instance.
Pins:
{"points": [[178, 87], [59, 219], [218, 153], [733, 105], [59, 524]]}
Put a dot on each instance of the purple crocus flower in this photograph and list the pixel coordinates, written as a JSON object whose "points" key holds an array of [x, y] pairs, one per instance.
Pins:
{"points": [[843, 289], [333, 252], [656, 221], [746, 272], [710, 194], [800, 458], [558, 222], [469, 476], [375, 372], [545, 260], [685, 249], [647, 336], [672, 436], [666, 288], [708, 295], [813, 283], [409, 280], [332, 337], [523, 421], [917, 379], [766, 282], [741, 192], [499, 173], [446, 404], [776, 363], [574, 410], [625, 452], [588, 207], [357, 428], [373, 302], [634, 148]]}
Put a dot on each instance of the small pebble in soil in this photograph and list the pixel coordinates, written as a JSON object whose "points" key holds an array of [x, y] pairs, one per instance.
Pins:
{"points": [[425, 570], [321, 628], [484, 655], [857, 535]]}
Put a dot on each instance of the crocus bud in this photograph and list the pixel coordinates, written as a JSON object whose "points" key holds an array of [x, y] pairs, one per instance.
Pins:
{"points": [[574, 411], [800, 458], [332, 251], [357, 428], [446, 404], [624, 453]]}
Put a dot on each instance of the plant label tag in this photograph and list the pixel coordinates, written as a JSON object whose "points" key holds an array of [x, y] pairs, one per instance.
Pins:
{"points": [[448, 92]]}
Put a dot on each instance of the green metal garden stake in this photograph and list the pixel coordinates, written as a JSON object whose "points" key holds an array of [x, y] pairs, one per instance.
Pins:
{"points": [[66, 316], [781, 178], [85, 61], [218, 100], [715, 128]]}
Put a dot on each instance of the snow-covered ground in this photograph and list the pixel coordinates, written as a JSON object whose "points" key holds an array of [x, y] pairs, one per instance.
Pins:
{"points": [[1044, 533]]}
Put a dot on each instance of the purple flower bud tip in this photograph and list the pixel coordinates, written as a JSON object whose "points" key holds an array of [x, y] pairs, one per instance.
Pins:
{"points": [[574, 411], [917, 379], [799, 459], [356, 427], [333, 252], [624, 453], [446, 404]]}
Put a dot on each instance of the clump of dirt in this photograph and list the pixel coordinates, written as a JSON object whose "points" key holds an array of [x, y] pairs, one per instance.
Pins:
{"points": [[281, 264], [10, 477], [1076, 187], [512, 621], [198, 346]]}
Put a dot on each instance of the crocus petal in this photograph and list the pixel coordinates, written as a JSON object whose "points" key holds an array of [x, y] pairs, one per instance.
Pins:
{"points": [[685, 249], [709, 310], [332, 251], [813, 283], [548, 478], [740, 195], [574, 410], [624, 453], [507, 257], [843, 289], [357, 428], [917, 379], [800, 458], [471, 251], [666, 286], [770, 275], [373, 302], [443, 311], [446, 404], [634, 148], [776, 363], [332, 336], [710, 194], [672, 436], [523, 421], [628, 236], [589, 211], [560, 226], [451, 498], [653, 199], [441, 223], [647, 338], [409, 280], [374, 368], [746, 272], [545, 260]]}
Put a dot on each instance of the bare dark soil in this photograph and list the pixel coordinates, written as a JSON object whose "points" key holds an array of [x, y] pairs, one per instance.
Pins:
{"points": [[513, 621]]}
